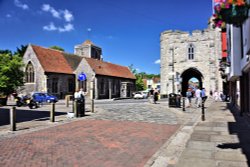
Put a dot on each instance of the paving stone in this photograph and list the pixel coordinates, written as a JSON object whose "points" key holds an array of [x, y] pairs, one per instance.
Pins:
{"points": [[225, 138], [189, 153], [200, 137], [220, 129], [231, 164], [196, 162], [206, 132], [202, 128], [230, 156], [201, 145]]}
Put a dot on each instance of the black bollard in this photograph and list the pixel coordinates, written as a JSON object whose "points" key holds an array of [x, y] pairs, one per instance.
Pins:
{"points": [[183, 104], [52, 112], [75, 108], [202, 111], [13, 118]]}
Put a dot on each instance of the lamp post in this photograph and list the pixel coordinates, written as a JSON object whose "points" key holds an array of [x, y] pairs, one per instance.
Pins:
{"points": [[93, 93], [173, 87]]}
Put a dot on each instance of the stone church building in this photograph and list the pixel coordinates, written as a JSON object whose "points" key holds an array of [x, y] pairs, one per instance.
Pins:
{"points": [[60, 73], [187, 55]]}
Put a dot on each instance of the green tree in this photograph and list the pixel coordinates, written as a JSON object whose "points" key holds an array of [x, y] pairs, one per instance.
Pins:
{"points": [[20, 51], [139, 83], [57, 48], [132, 69], [11, 74], [139, 76]]}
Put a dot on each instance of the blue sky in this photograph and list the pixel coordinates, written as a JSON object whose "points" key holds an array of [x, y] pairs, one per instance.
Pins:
{"points": [[127, 30]]}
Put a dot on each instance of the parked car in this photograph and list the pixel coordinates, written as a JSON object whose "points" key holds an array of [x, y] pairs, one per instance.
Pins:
{"points": [[145, 94], [44, 97], [138, 95]]}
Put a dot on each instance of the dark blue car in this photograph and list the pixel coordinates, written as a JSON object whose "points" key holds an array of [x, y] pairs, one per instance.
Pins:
{"points": [[44, 97]]}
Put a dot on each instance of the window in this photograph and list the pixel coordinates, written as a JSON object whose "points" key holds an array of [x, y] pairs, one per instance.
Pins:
{"points": [[55, 85], [191, 52], [113, 86], [102, 87], [71, 85], [29, 73]]}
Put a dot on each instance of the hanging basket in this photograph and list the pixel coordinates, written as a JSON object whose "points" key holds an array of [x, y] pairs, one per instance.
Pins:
{"points": [[235, 15]]}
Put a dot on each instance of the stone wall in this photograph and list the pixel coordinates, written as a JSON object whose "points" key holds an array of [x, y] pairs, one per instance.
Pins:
{"points": [[40, 79], [207, 52]]}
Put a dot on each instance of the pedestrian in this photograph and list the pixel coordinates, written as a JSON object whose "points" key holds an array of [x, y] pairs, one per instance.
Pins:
{"points": [[203, 95], [178, 99], [151, 95], [77, 94], [211, 93], [189, 97], [156, 93], [216, 95], [198, 97]]}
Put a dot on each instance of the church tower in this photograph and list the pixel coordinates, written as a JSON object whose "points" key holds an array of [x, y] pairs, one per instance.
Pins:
{"points": [[88, 49]]}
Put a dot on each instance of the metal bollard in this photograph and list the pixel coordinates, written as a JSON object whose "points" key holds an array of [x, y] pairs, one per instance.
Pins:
{"points": [[92, 106], [75, 108], [183, 104], [67, 101], [13, 119], [52, 112], [202, 111]]}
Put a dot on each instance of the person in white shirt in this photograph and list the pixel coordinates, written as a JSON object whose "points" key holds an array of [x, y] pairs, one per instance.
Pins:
{"points": [[198, 97], [80, 94]]}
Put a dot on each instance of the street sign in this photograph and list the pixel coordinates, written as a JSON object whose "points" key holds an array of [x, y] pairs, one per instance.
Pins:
{"points": [[82, 77]]}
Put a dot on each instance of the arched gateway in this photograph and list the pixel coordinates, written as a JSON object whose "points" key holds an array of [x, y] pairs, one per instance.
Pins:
{"points": [[187, 76], [189, 57]]}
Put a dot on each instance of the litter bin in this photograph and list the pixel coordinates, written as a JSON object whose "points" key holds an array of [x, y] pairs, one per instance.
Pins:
{"points": [[172, 100], [178, 100], [80, 107]]}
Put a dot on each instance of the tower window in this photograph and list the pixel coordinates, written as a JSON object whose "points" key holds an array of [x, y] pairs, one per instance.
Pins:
{"points": [[191, 52]]}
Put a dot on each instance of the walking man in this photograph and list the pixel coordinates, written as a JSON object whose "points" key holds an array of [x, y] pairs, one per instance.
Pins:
{"points": [[198, 97]]}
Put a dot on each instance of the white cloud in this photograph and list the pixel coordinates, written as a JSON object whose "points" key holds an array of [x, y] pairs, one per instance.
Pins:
{"points": [[59, 14], [158, 61], [68, 27], [50, 27], [21, 5], [48, 8], [68, 15]]}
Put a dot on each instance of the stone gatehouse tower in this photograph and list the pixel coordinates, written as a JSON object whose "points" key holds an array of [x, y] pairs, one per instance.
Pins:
{"points": [[187, 55]]}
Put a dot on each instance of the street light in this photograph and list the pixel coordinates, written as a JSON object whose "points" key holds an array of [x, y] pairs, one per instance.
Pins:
{"points": [[173, 87], [93, 91]]}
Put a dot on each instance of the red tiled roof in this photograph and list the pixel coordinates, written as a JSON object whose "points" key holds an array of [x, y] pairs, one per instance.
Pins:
{"points": [[52, 60], [156, 79], [109, 69]]}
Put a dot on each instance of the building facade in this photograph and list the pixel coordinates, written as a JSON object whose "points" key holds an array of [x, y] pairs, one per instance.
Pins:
{"points": [[185, 56], [238, 74], [60, 73]]}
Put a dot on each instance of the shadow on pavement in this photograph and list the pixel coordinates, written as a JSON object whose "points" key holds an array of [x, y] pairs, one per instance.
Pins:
{"points": [[26, 115], [241, 128]]}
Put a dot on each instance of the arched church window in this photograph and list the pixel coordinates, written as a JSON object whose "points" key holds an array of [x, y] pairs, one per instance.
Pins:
{"points": [[190, 52], [29, 73]]}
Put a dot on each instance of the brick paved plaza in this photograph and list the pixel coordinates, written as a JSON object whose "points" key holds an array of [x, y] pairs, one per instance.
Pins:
{"points": [[86, 143], [115, 135]]}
